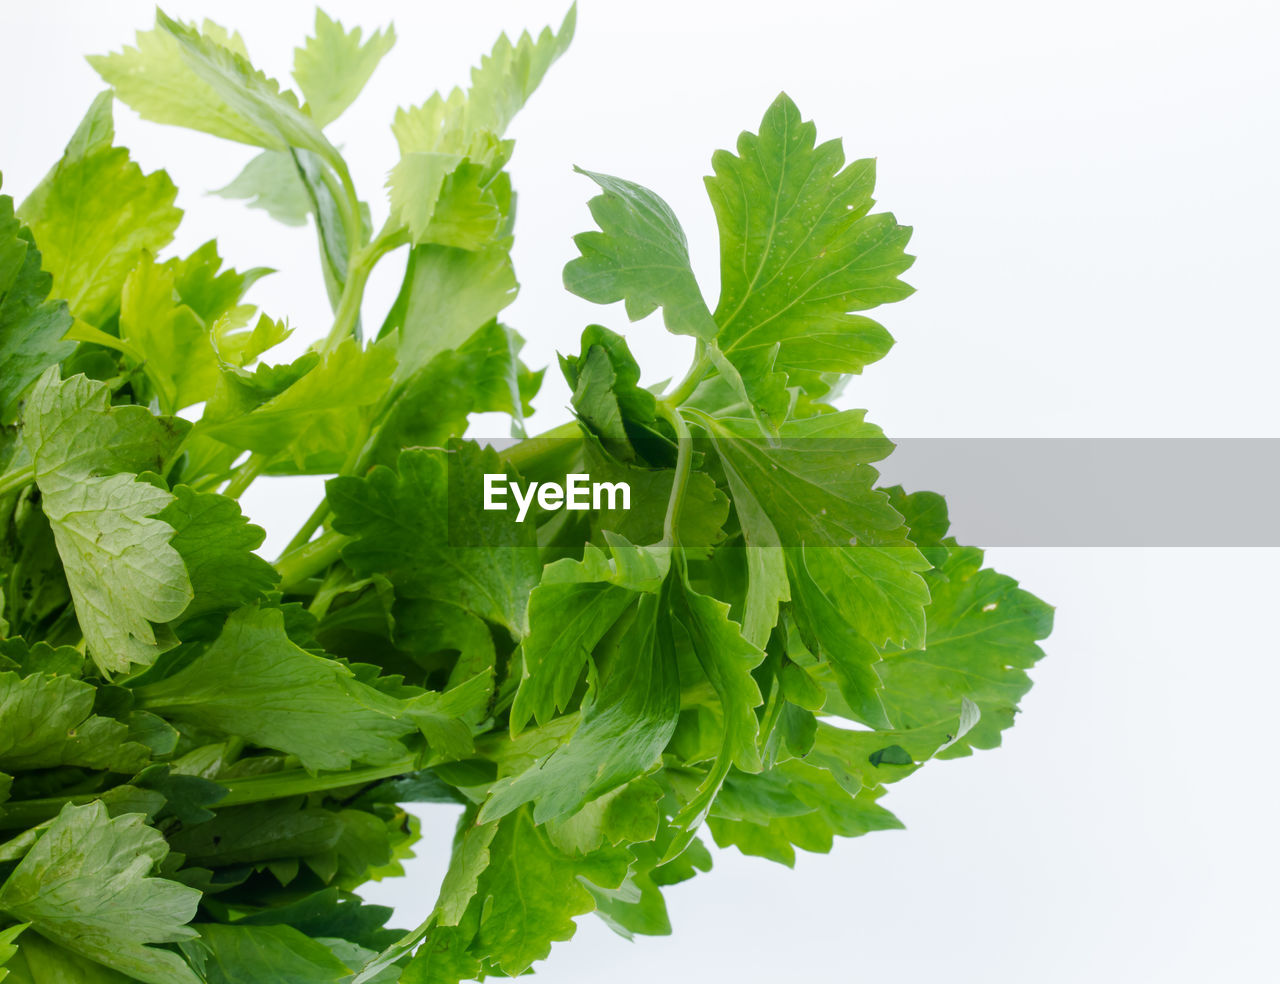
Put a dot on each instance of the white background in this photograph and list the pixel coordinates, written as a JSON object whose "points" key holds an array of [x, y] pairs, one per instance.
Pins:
{"points": [[1093, 187]]}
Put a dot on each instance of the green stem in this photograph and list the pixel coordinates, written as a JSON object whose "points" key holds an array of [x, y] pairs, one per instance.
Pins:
{"points": [[348, 313], [343, 194], [259, 789], [306, 562], [334, 583], [524, 453], [245, 474], [362, 263], [254, 789], [693, 377], [17, 479], [303, 536], [684, 454]]}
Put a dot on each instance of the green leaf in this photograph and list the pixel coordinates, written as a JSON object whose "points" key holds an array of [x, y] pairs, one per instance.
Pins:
{"points": [[217, 545], [331, 914], [448, 295], [474, 209], [442, 135], [532, 891], [640, 256], [314, 424], [405, 525], [469, 860], [7, 947], [41, 658], [629, 814], [203, 80], [333, 66], [416, 186], [814, 494], [272, 183], [443, 955], [260, 832], [981, 641], [828, 632], [31, 326], [799, 250], [47, 721], [483, 374], [727, 660], [506, 77], [809, 810], [570, 610], [925, 513], [180, 359], [94, 213], [281, 954], [626, 724], [86, 886], [255, 683], [121, 567], [38, 961], [442, 717], [605, 380], [212, 291], [636, 907], [290, 185], [703, 512]]}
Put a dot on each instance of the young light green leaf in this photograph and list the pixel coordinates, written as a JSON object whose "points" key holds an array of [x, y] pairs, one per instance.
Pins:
{"points": [[290, 185], [444, 132], [94, 213], [211, 290], [333, 66], [121, 567], [315, 423], [272, 183], [180, 358], [506, 77], [203, 80], [155, 80], [417, 183], [255, 683], [86, 886], [448, 295]]}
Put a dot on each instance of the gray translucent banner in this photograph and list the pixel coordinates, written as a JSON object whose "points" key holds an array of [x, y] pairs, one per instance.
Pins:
{"points": [[1099, 492], [1000, 492]]}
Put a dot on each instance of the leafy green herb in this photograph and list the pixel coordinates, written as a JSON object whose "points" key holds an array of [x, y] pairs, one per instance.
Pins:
{"points": [[206, 754]]}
